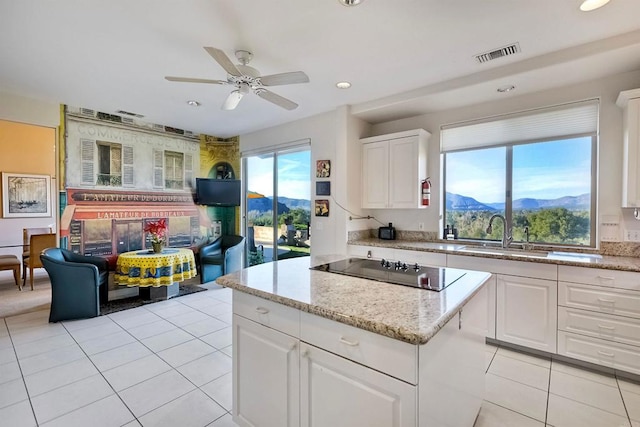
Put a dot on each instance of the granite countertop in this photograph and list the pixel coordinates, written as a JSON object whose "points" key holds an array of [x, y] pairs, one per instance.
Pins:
{"points": [[400, 312], [560, 258]]}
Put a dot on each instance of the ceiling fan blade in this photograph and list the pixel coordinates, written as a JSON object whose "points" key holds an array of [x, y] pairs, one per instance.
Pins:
{"points": [[190, 80], [284, 78], [232, 100], [224, 61], [276, 99]]}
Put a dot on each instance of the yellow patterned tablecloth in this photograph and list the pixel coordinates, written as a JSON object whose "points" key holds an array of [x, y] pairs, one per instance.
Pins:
{"points": [[146, 268]]}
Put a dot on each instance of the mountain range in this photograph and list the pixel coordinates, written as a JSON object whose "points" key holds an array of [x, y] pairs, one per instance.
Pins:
{"points": [[457, 202], [285, 204]]}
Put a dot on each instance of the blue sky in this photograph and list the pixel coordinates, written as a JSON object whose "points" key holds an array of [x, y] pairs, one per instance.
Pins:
{"points": [[542, 171], [294, 175]]}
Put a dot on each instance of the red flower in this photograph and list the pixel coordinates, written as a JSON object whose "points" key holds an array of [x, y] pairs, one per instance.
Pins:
{"points": [[157, 229]]}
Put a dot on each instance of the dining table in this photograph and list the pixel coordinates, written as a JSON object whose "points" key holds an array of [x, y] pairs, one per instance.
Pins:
{"points": [[157, 275]]}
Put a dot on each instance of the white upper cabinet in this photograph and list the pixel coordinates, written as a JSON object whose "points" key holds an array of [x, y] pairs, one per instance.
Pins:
{"points": [[393, 167], [629, 100]]}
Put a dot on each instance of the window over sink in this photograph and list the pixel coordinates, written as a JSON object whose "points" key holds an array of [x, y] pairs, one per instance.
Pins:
{"points": [[537, 169]]}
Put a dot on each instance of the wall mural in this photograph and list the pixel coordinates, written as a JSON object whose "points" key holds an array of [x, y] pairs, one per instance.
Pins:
{"points": [[150, 176]]}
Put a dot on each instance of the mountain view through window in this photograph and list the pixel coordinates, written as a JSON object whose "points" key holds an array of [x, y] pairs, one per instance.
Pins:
{"points": [[546, 187]]}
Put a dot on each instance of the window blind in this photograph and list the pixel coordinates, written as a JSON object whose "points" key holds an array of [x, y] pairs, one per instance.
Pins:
{"points": [[576, 118]]}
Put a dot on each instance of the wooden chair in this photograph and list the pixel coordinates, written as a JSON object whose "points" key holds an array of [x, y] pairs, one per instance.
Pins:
{"points": [[37, 243], [26, 236], [11, 262]]}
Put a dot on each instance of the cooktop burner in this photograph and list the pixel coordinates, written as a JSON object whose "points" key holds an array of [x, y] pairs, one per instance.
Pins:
{"points": [[395, 272]]}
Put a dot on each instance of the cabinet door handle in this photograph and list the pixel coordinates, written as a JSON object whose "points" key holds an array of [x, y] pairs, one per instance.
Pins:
{"points": [[606, 327], [345, 341], [608, 301], [262, 310], [305, 353], [606, 278], [604, 353], [293, 346]]}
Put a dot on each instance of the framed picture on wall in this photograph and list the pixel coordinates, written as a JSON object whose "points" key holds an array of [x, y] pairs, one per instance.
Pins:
{"points": [[323, 188], [323, 168], [26, 195], [322, 207]]}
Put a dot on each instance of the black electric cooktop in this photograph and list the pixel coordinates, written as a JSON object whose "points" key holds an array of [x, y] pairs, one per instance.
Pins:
{"points": [[395, 272]]}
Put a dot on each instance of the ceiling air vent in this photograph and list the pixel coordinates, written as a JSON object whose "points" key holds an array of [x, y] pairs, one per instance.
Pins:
{"points": [[498, 53], [158, 127], [128, 113], [128, 121], [87, 112]]}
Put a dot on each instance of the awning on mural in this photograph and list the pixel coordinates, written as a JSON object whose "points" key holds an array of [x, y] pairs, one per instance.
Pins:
{"points": [[74, 212]]}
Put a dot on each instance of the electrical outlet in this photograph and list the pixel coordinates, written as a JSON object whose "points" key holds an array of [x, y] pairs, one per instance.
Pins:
{"points": [[632, 236], [421, 226]]}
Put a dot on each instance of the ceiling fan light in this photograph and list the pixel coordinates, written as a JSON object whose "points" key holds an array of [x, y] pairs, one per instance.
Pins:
{"points": [[589, 5], [232, 100], [350, 2]]}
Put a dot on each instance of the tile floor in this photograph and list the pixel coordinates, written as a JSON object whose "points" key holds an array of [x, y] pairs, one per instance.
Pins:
{"points": [[169, 364]]}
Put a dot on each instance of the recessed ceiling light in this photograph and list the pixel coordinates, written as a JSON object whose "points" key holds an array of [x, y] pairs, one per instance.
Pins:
{"points": [[343, 85], [193, 103], [350, 2], [588, 5], [507, 88]]}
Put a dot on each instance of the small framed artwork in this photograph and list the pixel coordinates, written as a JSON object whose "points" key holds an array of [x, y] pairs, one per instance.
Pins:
{"points": [[322, 207], [26, 195], [323, 168], [323, 188]]}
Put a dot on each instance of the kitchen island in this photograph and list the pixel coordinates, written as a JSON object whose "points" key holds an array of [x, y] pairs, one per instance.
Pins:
{"points": [[313, 348]]}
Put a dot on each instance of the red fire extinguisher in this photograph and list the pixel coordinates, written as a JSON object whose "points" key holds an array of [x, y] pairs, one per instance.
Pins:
{"points": [[426, 192]]}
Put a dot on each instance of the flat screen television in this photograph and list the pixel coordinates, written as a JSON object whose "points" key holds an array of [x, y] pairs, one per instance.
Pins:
{"points": [[218, 192]]}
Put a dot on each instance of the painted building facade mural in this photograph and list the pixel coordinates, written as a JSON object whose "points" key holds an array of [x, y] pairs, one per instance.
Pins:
{"points": [[119, 176]]}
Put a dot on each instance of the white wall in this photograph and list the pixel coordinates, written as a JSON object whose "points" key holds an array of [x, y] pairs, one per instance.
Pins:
{"points": [[25, 110], [610, 143]]}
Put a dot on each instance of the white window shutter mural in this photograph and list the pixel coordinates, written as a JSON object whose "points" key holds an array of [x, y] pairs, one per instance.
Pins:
{"points": [[158, 168], [188, 170], [127, 166], [87, 153]]}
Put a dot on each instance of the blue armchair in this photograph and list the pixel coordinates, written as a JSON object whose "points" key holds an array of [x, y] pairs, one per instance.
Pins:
{"points": [[78, 284], [223, 256]]}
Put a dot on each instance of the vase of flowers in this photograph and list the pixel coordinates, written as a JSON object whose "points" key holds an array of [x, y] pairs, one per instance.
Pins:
{"points": [[158, 233]]}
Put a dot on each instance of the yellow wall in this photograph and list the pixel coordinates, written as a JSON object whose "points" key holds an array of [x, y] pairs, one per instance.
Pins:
{"points": [[27, 149]]}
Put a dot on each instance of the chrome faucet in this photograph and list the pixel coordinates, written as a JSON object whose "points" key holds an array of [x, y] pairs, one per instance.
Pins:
{"points": [[507, 238]]}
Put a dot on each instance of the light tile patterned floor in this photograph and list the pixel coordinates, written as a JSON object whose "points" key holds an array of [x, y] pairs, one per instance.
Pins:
{"points": [[530, 391], [169, 364]]}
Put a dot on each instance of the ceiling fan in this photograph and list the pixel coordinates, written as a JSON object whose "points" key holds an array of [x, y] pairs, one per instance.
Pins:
{"points": [[247, 79]]}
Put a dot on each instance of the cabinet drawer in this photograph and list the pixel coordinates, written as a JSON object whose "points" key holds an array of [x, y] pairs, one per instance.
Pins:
{"points": [[500, 266], [423, 258], [594, 350], [598, 298], [605, 326], [376, 252], [396, 358], [268, 313], [599, 277]]}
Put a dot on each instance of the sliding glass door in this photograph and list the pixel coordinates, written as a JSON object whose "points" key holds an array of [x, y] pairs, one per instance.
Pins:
{"points": [[278, 204]]}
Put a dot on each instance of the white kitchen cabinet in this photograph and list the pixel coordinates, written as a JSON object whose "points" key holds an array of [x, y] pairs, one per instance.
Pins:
{"points": [[338, 392], [599, 317], [265, 376], [393, 167], [629, 101], [523, 303], [527, 312]]}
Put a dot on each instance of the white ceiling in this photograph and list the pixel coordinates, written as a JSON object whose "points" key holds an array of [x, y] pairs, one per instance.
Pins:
{"points": [[403, 57]]}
